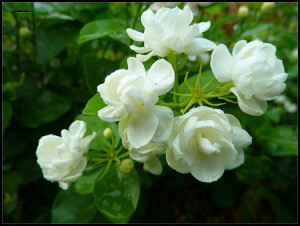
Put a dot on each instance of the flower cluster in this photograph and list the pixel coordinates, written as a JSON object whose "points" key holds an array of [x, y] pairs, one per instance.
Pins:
{"points": [[203, 141]]}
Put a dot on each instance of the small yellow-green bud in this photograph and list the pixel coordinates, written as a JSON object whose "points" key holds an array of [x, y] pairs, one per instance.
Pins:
{"points": [[107, 133], [126, 166], [267, 6], [243, 12], [24, 32]]}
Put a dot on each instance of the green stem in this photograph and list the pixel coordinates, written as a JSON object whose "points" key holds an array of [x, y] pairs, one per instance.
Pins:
{"points": [[124, 155], [106, 169]]}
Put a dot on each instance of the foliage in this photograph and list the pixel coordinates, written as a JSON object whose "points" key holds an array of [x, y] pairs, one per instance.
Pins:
{"points": [[50, 74]]}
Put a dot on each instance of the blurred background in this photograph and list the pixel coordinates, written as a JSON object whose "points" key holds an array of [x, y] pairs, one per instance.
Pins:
{"points": [[50, 71]]}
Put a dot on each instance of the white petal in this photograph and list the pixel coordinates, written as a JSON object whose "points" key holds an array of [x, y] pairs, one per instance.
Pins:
{"points": [[85, 143], [163, 75], [77, 129], [179, 165], [240, 137], [135, 35], [269, 89], [154, 166], [221, 63], [46, 148], [241, 75], [136, 66], [204, 26], [198, 46], [251, 106], [143, 49], [278, 67], [237, 47], [173, 41], [207, 168], [112, 114], [144, 58], [191, 33], [141, 129], [63, 185], [165, 122], [184, 19], [76, 172], [239, 160], [156, 43], [248, 48]]}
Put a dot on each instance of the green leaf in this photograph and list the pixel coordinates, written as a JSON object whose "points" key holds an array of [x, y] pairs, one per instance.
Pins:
{"points": [[70, 207], [121, 36], [52, 40], [284, 137], [100, 28], [7, 113], [41, 109], [94, 105], [256, 30], [95, 71], [94, 123], [117, 195], [85, 184]]}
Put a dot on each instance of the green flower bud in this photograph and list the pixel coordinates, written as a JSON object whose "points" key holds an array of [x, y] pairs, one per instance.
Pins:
{"points": [[243, 12], [126, 166], [24, 32], [267, 7], [107, 133]]}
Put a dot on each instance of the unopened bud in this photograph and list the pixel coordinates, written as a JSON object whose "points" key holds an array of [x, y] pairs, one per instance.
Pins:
{"points": [[267, 7], [126, 166], [243, 12], [107, 133], [24, 32]]}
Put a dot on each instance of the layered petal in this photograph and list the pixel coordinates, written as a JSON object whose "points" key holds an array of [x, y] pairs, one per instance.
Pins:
{"points": [[250, 106], [165, 122], [221, 63], [198, 46], [142, 128], [163, 75]]}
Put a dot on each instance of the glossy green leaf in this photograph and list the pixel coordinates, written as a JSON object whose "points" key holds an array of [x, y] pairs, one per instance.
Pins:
{"points": [[95, 71], [94, 123], [100, 28], [85, 184], [71, 207], [52, 40], [117, 195], [94, 105], [44, 108]]}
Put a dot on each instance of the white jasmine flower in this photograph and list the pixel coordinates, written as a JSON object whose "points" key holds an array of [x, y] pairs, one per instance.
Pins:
{"points": [[147, 154], [61, 158], [257, 74], [205, 142], [169, 29], [133, 93]]}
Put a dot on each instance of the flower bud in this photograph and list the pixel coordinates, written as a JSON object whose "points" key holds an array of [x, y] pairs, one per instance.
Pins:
{"points": [[243, 12], [24, 32], [126, 166], [267, 7], [107, 133]]}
